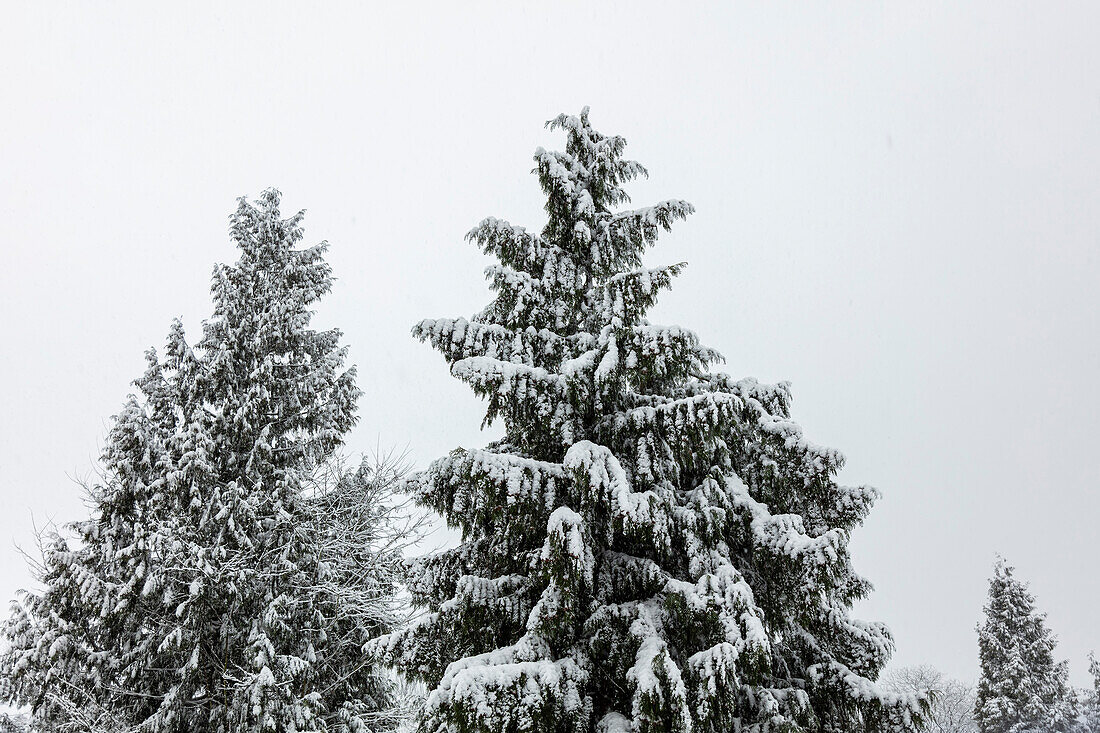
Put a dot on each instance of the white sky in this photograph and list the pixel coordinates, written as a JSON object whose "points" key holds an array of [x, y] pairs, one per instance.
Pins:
{"points": [[897, 210]]}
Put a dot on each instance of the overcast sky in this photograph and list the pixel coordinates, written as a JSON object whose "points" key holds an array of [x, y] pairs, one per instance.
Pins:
{"points": [[897, 210]]}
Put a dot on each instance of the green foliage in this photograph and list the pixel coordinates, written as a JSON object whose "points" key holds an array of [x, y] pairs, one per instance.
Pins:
{"points": [[1021, 688], [200, 594], [652, 545]]}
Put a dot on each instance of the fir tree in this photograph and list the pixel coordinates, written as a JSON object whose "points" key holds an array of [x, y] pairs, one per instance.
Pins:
{"points": [[652, 546], [1021, 687], [199, 595]]}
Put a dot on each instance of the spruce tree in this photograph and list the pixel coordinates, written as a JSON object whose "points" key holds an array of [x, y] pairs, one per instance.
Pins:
{"points": [[198, 595], [652, 546], [1021, 687]]}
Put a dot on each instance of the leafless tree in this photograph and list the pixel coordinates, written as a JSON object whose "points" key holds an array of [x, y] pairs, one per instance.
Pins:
{"points": [[952, 708], [364, 526]]}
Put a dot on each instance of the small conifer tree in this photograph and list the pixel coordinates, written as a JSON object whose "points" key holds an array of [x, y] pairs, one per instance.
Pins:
{"points": [[652, 546], [1021, 688], [1090, 699], [199, 595]]}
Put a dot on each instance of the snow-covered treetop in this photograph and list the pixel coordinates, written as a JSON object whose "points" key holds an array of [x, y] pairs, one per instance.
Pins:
{"points": [[284, 381]]}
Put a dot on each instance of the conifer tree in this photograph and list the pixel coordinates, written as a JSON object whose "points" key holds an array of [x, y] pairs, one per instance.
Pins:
{"points": [[1021, 687], [1091, 712], [199, 595], [652, 546]]}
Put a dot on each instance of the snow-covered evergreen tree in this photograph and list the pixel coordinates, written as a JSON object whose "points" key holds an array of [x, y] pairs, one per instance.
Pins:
{"points": [[1090, 712], [199, 595], [652, 546], [1021, 687]]}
